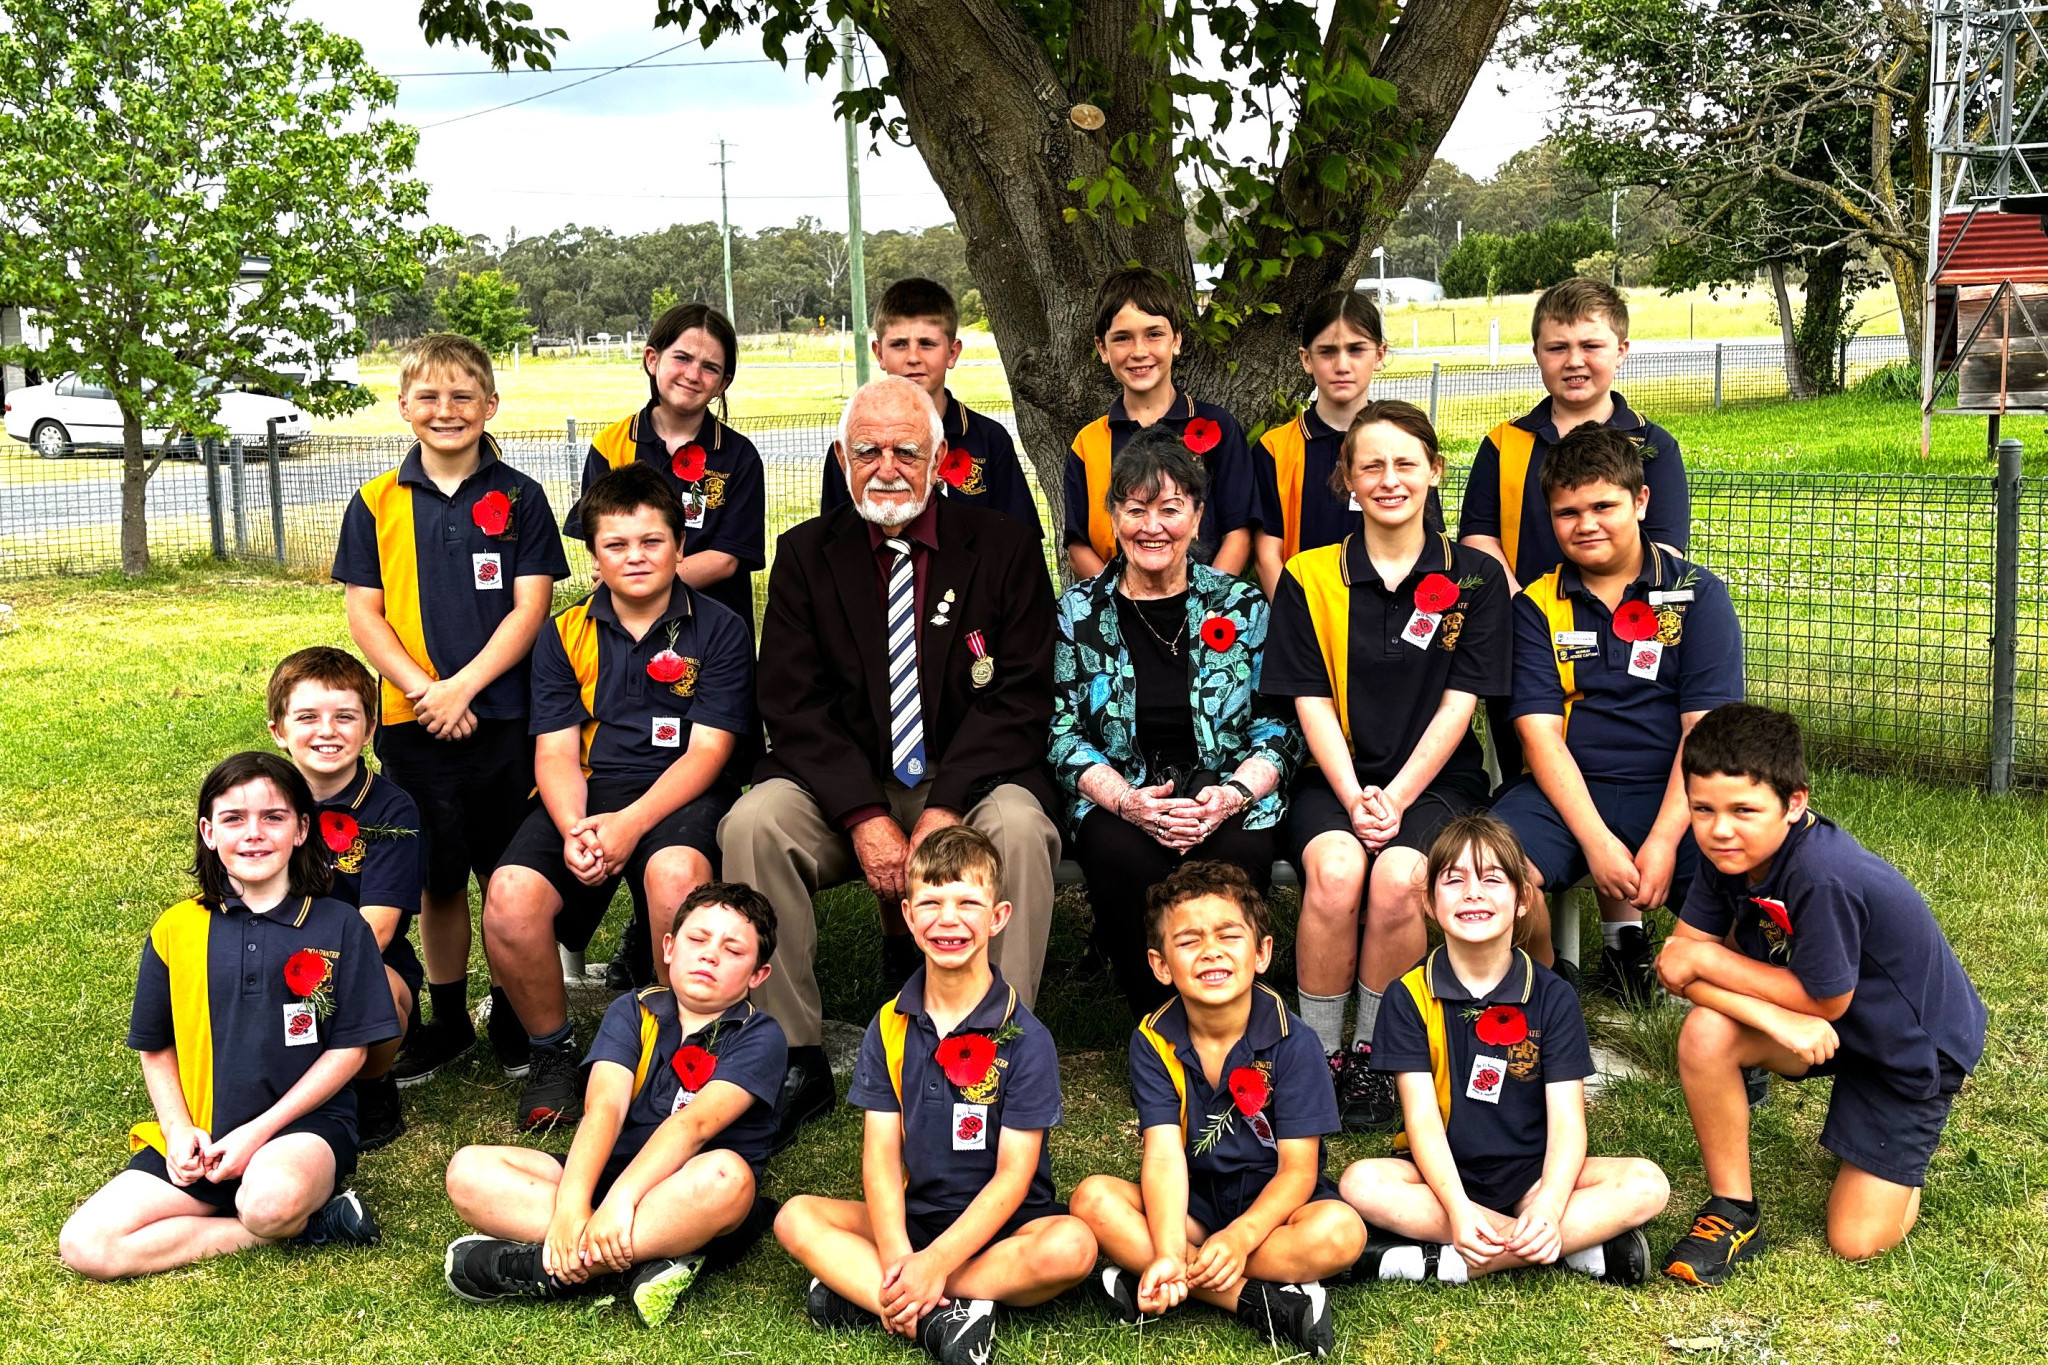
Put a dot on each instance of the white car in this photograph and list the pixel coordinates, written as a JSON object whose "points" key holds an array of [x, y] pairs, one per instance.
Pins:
{"points": [[74, 413]]}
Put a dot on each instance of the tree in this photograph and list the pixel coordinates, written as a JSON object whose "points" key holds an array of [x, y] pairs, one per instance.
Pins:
{"points": [[1090, 133], [485, 307], [191, 193]]}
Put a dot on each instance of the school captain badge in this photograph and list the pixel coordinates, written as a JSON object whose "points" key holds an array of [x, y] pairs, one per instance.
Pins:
{"points": [[984, 670]]}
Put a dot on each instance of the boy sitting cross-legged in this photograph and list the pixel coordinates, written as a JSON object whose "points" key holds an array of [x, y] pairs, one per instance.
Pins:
{"points": [[1234, 1097], [960, 1082], [678, 1121], [1806, 954]]}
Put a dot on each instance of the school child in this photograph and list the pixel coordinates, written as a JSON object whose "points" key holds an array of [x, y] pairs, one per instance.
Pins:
{"points": [[1617, 652], [1805, 953], [641, 693], [255, 1004], [690, 358], [960, 1082], [1305, 507], [322, 705], [1490, 1053], [1138, 332], [450, 562], [1233, 1100], [917, 337], [678, 1124], [1386, 639]]}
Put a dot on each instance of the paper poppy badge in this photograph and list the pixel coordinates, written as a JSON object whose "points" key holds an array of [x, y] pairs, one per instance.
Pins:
{"points": [[1202, 435], [955, 467], [492, 513], [693, 1067], [309, 974], [338, 830], [966, 1058], [1776, 910], [1249, 1090], [1634, 621], [666, 666], [1501, 1026], [1436, 593], [688, 463], [1219, 632]]}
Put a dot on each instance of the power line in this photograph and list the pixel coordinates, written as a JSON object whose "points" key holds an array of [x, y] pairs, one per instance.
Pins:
{"points": [[608, 71], [569, 70], [777, 198]]}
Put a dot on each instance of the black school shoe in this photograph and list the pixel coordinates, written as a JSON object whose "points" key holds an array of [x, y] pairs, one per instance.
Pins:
{"points": [[962, 1333], [1295, 1313], [1628, 1258], [1756, 1086], [806, 1093], [1723, 1236], [486, 1269], [432, 1047], [341, 1221], [1366, 1098], [508, 1035], [833, 1311], [1119, 1290], [380, 1119], [1628, 971], [552, 1093], [655, 1287]]}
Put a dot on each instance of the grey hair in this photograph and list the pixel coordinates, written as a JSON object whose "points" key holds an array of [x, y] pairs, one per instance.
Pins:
{"points": [[1154, 455], [882, 388]]}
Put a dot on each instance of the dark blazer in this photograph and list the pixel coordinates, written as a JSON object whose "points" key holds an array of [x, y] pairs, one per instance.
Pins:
{"points": [[823, 680]]}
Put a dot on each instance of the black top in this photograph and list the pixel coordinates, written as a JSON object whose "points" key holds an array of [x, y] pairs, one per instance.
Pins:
{"points": [[1166, 719]]}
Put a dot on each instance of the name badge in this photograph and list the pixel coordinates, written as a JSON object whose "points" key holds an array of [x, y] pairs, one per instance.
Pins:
{"points": [[1488, 1074], [1421, 628], [1658, 599], [301, 1028], [668, 732], [489, 571], [694, 506], [1576, 644], [683, 1098], [970, 1127], [1644, 656]]}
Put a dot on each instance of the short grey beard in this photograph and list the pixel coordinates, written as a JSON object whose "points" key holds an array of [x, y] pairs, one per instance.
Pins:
{"points": [[889, 516]]}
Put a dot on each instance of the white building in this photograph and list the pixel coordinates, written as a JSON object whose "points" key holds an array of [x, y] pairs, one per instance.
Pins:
{"points": [[1401, 289]]}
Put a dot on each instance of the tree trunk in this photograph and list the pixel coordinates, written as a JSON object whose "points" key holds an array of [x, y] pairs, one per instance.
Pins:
{"points": [[1796, 382], [1909, 282], [1823, 322], [135, 472], [1002, 149]]}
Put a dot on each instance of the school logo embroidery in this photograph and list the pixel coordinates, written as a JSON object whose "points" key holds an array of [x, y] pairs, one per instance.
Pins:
{"points": [[1524, 1057], [974, 482], [1776, 927], [686, 685], [713, 485], [1454, 621], [1670, 625], [352, 861]]}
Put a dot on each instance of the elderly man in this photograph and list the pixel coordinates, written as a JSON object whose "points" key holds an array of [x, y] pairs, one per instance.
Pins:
{"points": [[906, 685]]}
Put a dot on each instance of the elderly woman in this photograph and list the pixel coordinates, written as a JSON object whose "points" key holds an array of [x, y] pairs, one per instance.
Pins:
{"points": [[1159, 737]]}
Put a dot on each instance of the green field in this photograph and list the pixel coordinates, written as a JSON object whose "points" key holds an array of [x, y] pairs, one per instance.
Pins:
{"points": [[104, 745]]}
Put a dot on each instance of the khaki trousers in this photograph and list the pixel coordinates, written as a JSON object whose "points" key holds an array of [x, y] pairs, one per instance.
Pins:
{"points": [[777, 841]]}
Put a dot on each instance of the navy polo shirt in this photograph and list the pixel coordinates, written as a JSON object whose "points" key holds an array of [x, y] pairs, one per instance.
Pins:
{"points": [[1326, 517], [1490, 1139], [943, 1176], [1668, 519], [1856, 925], [1301, 1098], [635, 726], [447, 585], [995, 479], [1620, 727], [727, 507], [383, 864], [222, 970], [1392, 689], [751, 1053], [1233, 497]]}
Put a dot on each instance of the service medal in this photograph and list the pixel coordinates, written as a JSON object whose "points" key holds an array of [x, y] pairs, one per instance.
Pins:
{"points": [[984, 670]]}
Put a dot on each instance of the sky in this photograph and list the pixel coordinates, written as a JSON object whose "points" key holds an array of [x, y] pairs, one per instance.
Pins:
{"points": [[635, 151]]}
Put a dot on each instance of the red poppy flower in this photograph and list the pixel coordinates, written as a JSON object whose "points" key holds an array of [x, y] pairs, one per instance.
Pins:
{"points": [[666, 666], [966, 1058], [688, 464], [1202, 435], [1635, 621], [1436, 593], [694, 1067], [338, 830], [1501, 1026], [1219, 632], [955, 466], [1249, 1090], [305, 972], [1776, 910], [492, 513]]}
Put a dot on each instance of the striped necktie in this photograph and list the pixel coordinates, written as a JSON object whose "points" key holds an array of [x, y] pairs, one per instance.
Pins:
{"points": [[906, 708]]}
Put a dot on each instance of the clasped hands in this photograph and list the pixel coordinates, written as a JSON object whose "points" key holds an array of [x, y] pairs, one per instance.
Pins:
{"points": [[598, 846], [1179, 823], [192, 1155]]}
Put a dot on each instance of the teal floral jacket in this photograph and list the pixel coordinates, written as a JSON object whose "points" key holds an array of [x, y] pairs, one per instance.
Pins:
{"points": [[1095, 690]]}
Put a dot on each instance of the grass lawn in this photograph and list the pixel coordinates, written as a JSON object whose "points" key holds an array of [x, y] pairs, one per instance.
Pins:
{"points": [[115, 698]]}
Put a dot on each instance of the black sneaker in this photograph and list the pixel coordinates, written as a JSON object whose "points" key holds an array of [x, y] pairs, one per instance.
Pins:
{"points": [[654, 1287], [1120, 1291], [833, 1311], [432, 1047], [1756, 1085], [341, 1221], [961, 1333], [1628, 971], [806, 1093], [1722, 1237], [1628, 1258], [553, 1092], [485, 1269], [1367, 1098], [1296, 1313], [380, 1119], [508, 1035], [900, 959]]}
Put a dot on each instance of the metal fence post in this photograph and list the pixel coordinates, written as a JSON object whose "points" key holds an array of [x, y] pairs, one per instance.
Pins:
{"points": [[238, 480], [275, 452], [1845, 362], [1436, 378], [2005, 614], [570, 446], [210, 453], [1717, 376]]}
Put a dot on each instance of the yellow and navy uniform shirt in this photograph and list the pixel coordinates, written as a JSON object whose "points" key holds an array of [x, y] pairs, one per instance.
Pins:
{"points": [[1292, 468], [1621, 727], [590, 673], [212, 986], [1339, 631], [1504, 490], [726, 508], [1233, 498], [447, 581], [642, 1032], [381, 862], [994, 478]]}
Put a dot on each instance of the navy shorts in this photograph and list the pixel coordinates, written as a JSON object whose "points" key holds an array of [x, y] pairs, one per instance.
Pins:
{"points": [[538, 846], [472, 793], [925, 1229], [1628, 810], [1217, 1202], [1315, 811], [337, 1132], [1498, 1185], [723, 1250], [1875, 1128]]}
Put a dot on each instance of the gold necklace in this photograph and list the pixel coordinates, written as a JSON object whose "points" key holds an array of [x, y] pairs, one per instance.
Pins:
{"points": [[1172, 646]]}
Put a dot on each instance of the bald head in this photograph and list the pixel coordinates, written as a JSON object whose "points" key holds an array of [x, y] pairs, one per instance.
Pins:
{"points": [[890, 440]]}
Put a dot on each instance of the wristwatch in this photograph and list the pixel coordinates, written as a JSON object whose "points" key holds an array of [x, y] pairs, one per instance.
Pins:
{"points": [[1240, 788]]}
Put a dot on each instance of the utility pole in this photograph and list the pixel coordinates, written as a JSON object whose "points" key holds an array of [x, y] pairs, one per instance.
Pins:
{"points": [[856, 248], [725, 232], [1614, 232]]}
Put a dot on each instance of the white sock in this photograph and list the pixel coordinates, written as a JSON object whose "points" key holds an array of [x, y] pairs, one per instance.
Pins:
{"points": [[1403, 1263], [1450, 1266], [1324, 1014], [1592, 1261], [1610, 929], [1368, 1015]]}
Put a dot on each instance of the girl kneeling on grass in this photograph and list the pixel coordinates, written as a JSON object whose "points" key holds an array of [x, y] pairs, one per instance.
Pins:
{"points": [[1489, 1053]]}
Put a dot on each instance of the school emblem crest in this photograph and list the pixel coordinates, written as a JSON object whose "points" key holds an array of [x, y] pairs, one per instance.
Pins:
{"points": [[1670, 625], [686, 685], [974, 483], [712, 486]]}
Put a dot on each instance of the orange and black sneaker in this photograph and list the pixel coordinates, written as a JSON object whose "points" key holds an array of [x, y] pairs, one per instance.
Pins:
{"points": [[1723, 1235]]}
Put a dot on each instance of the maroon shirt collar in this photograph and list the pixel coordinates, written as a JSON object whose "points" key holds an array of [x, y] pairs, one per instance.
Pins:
{"points": [[923, 528]]}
